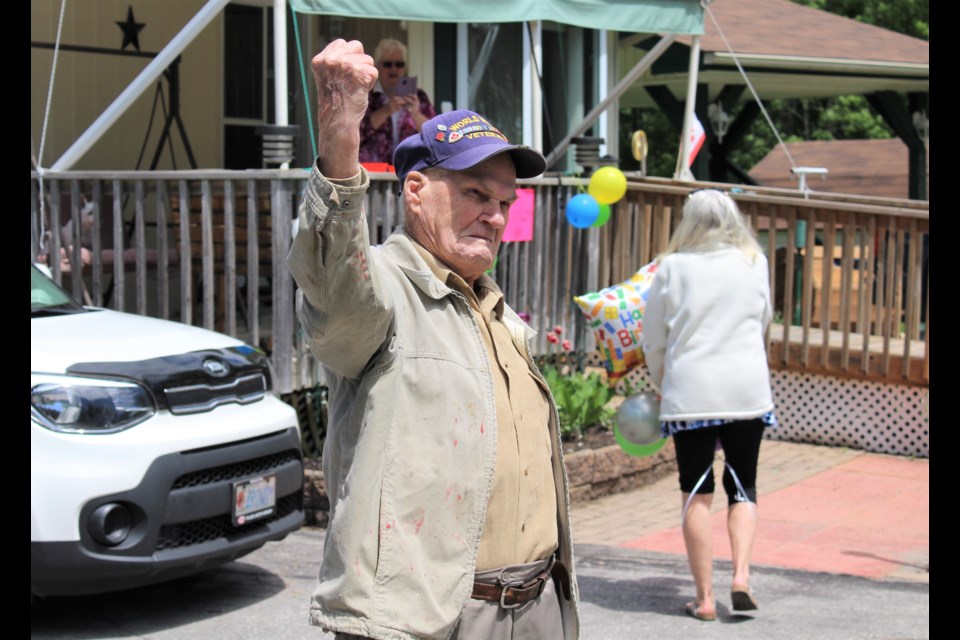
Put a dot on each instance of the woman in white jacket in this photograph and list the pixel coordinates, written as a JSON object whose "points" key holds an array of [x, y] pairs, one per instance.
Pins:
{"points": [[703, 340]]}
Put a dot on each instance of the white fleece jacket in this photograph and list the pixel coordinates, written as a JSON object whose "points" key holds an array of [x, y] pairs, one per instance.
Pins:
{"points": [[703, 335]]}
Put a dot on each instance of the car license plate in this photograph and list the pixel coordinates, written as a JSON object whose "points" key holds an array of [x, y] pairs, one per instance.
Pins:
{"points": [[254, 499]]}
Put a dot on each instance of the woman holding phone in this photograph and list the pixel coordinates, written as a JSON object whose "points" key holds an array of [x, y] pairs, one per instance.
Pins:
{"points": [[397, 108]]}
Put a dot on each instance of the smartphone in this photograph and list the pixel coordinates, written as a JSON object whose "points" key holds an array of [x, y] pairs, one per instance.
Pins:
{"points": [[406, 85]]}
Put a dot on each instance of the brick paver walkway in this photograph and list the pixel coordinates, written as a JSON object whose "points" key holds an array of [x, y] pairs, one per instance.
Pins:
{"points": [[821, 508]]}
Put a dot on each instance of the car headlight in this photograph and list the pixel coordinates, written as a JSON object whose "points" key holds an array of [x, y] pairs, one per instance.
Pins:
{"points": [[69, 404]]}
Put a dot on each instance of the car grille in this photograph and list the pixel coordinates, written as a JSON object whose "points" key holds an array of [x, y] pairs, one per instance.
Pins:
{"points": [[183, 534], [198, 398], [173, 536], [229, 472]]}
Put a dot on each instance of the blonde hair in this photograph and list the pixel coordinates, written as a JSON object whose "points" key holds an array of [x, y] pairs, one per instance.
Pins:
{"points": [[711, 217], [389, 45]]}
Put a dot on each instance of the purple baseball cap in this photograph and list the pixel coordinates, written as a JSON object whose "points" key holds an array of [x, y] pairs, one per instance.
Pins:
{"points": [[458, 140]]}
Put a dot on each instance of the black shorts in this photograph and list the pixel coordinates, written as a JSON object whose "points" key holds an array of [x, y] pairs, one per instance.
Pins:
{"points": [[740, 441]]}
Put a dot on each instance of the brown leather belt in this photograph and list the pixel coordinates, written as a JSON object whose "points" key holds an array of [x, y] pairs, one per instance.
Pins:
{"points": [[512, 594]]}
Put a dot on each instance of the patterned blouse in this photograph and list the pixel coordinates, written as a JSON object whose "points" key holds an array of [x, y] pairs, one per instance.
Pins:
{"points": [[377, 145], [670, 427]]}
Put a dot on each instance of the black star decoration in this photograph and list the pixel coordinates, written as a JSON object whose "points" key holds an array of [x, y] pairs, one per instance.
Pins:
{"points": [[131, 30]]}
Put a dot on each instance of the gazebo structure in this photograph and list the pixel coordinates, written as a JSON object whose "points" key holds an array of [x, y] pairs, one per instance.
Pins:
{"points": [[785, 50]]}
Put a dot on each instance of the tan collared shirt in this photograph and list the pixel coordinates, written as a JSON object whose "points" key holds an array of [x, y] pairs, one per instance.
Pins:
{"points": [[521, 521]]}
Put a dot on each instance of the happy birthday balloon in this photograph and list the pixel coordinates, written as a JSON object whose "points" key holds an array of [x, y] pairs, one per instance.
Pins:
{"points": [[615, 315], [582, 210], [638, 418], [603, 217], [607, 185]]}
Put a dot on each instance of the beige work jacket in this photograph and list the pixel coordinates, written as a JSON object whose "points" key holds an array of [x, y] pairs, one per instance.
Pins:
{"points": [[410, 451]]}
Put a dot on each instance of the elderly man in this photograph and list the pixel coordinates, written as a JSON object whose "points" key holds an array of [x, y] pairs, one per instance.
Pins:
{"points": [[449, 509]]}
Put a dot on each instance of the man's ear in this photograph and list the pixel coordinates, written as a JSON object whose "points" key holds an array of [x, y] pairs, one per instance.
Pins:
{"points": [[412, 191]]}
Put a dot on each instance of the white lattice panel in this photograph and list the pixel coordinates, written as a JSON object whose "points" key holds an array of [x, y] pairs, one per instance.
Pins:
{"points": [[872, 416]]}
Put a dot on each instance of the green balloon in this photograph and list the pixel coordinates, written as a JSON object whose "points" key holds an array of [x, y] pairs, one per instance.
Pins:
{"points": [[603, 217], [637, 450], [494, 266]]}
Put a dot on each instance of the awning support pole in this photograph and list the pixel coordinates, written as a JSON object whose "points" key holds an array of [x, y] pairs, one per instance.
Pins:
{"points": [[683, 172], [280, 65]]}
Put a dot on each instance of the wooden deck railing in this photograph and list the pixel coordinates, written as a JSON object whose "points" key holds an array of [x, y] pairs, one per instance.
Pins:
{"points": [[848, 274]]}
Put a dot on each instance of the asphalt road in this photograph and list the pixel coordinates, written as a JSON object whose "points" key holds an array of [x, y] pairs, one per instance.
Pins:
{"points": [[625, 594]]}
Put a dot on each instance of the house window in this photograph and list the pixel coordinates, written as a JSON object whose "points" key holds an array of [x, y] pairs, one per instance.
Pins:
{"points": [[569, 85], [248, 85], [495, 58]]}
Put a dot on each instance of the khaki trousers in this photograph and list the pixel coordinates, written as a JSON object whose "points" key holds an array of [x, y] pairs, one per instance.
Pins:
{"points": [[539, 619]]}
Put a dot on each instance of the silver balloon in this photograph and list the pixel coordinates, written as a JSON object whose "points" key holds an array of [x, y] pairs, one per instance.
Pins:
{"points": [[638, 418]]}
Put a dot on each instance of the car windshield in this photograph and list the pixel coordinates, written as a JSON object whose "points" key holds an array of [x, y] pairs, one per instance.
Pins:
{"points": [[48, 298]]}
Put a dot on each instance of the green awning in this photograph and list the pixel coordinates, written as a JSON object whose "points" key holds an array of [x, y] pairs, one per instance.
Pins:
{"points": [[639, 16]]}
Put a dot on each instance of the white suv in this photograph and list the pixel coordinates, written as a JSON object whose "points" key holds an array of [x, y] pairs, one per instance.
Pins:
{"points": [[157, 449]]}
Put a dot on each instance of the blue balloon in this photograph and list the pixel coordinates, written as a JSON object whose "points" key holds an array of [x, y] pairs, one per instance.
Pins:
{"points": [[582, 210]]}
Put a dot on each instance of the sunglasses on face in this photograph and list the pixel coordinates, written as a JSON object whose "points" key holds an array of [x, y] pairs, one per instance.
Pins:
{"points": [[390, 64]]}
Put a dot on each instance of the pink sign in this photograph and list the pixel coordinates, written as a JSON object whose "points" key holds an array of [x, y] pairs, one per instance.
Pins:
{"points": [[520, 225]]}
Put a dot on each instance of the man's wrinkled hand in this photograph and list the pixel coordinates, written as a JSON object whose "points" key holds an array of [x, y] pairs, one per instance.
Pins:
{"points": [[344, 76]]}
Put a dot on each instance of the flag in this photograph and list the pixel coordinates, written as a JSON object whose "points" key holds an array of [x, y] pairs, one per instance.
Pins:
{"points": [[697, 136]]}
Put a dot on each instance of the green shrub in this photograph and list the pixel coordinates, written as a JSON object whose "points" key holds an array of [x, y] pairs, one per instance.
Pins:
{"points": [[581, 399]]}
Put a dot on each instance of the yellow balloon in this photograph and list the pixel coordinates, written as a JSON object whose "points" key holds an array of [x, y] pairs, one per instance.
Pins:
{"points": [[607, 185]]}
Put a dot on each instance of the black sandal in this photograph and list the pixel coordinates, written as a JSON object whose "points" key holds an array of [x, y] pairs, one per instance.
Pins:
{"points": [[743, 600]]}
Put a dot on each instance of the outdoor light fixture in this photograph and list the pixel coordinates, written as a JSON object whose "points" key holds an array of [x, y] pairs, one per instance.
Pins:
{"points": [[719, 120], [922, 124]]}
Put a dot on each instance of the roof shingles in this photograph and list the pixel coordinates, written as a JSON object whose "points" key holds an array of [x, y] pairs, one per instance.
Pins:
{"points": [[785, 28], [876, 167]]}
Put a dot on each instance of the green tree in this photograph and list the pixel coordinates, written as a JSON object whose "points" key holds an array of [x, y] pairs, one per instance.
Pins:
{"points": [[910, 17]]}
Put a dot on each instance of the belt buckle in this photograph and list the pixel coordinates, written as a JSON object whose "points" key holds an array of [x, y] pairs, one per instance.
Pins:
{"points": [[517, 583], [503, 594]]}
